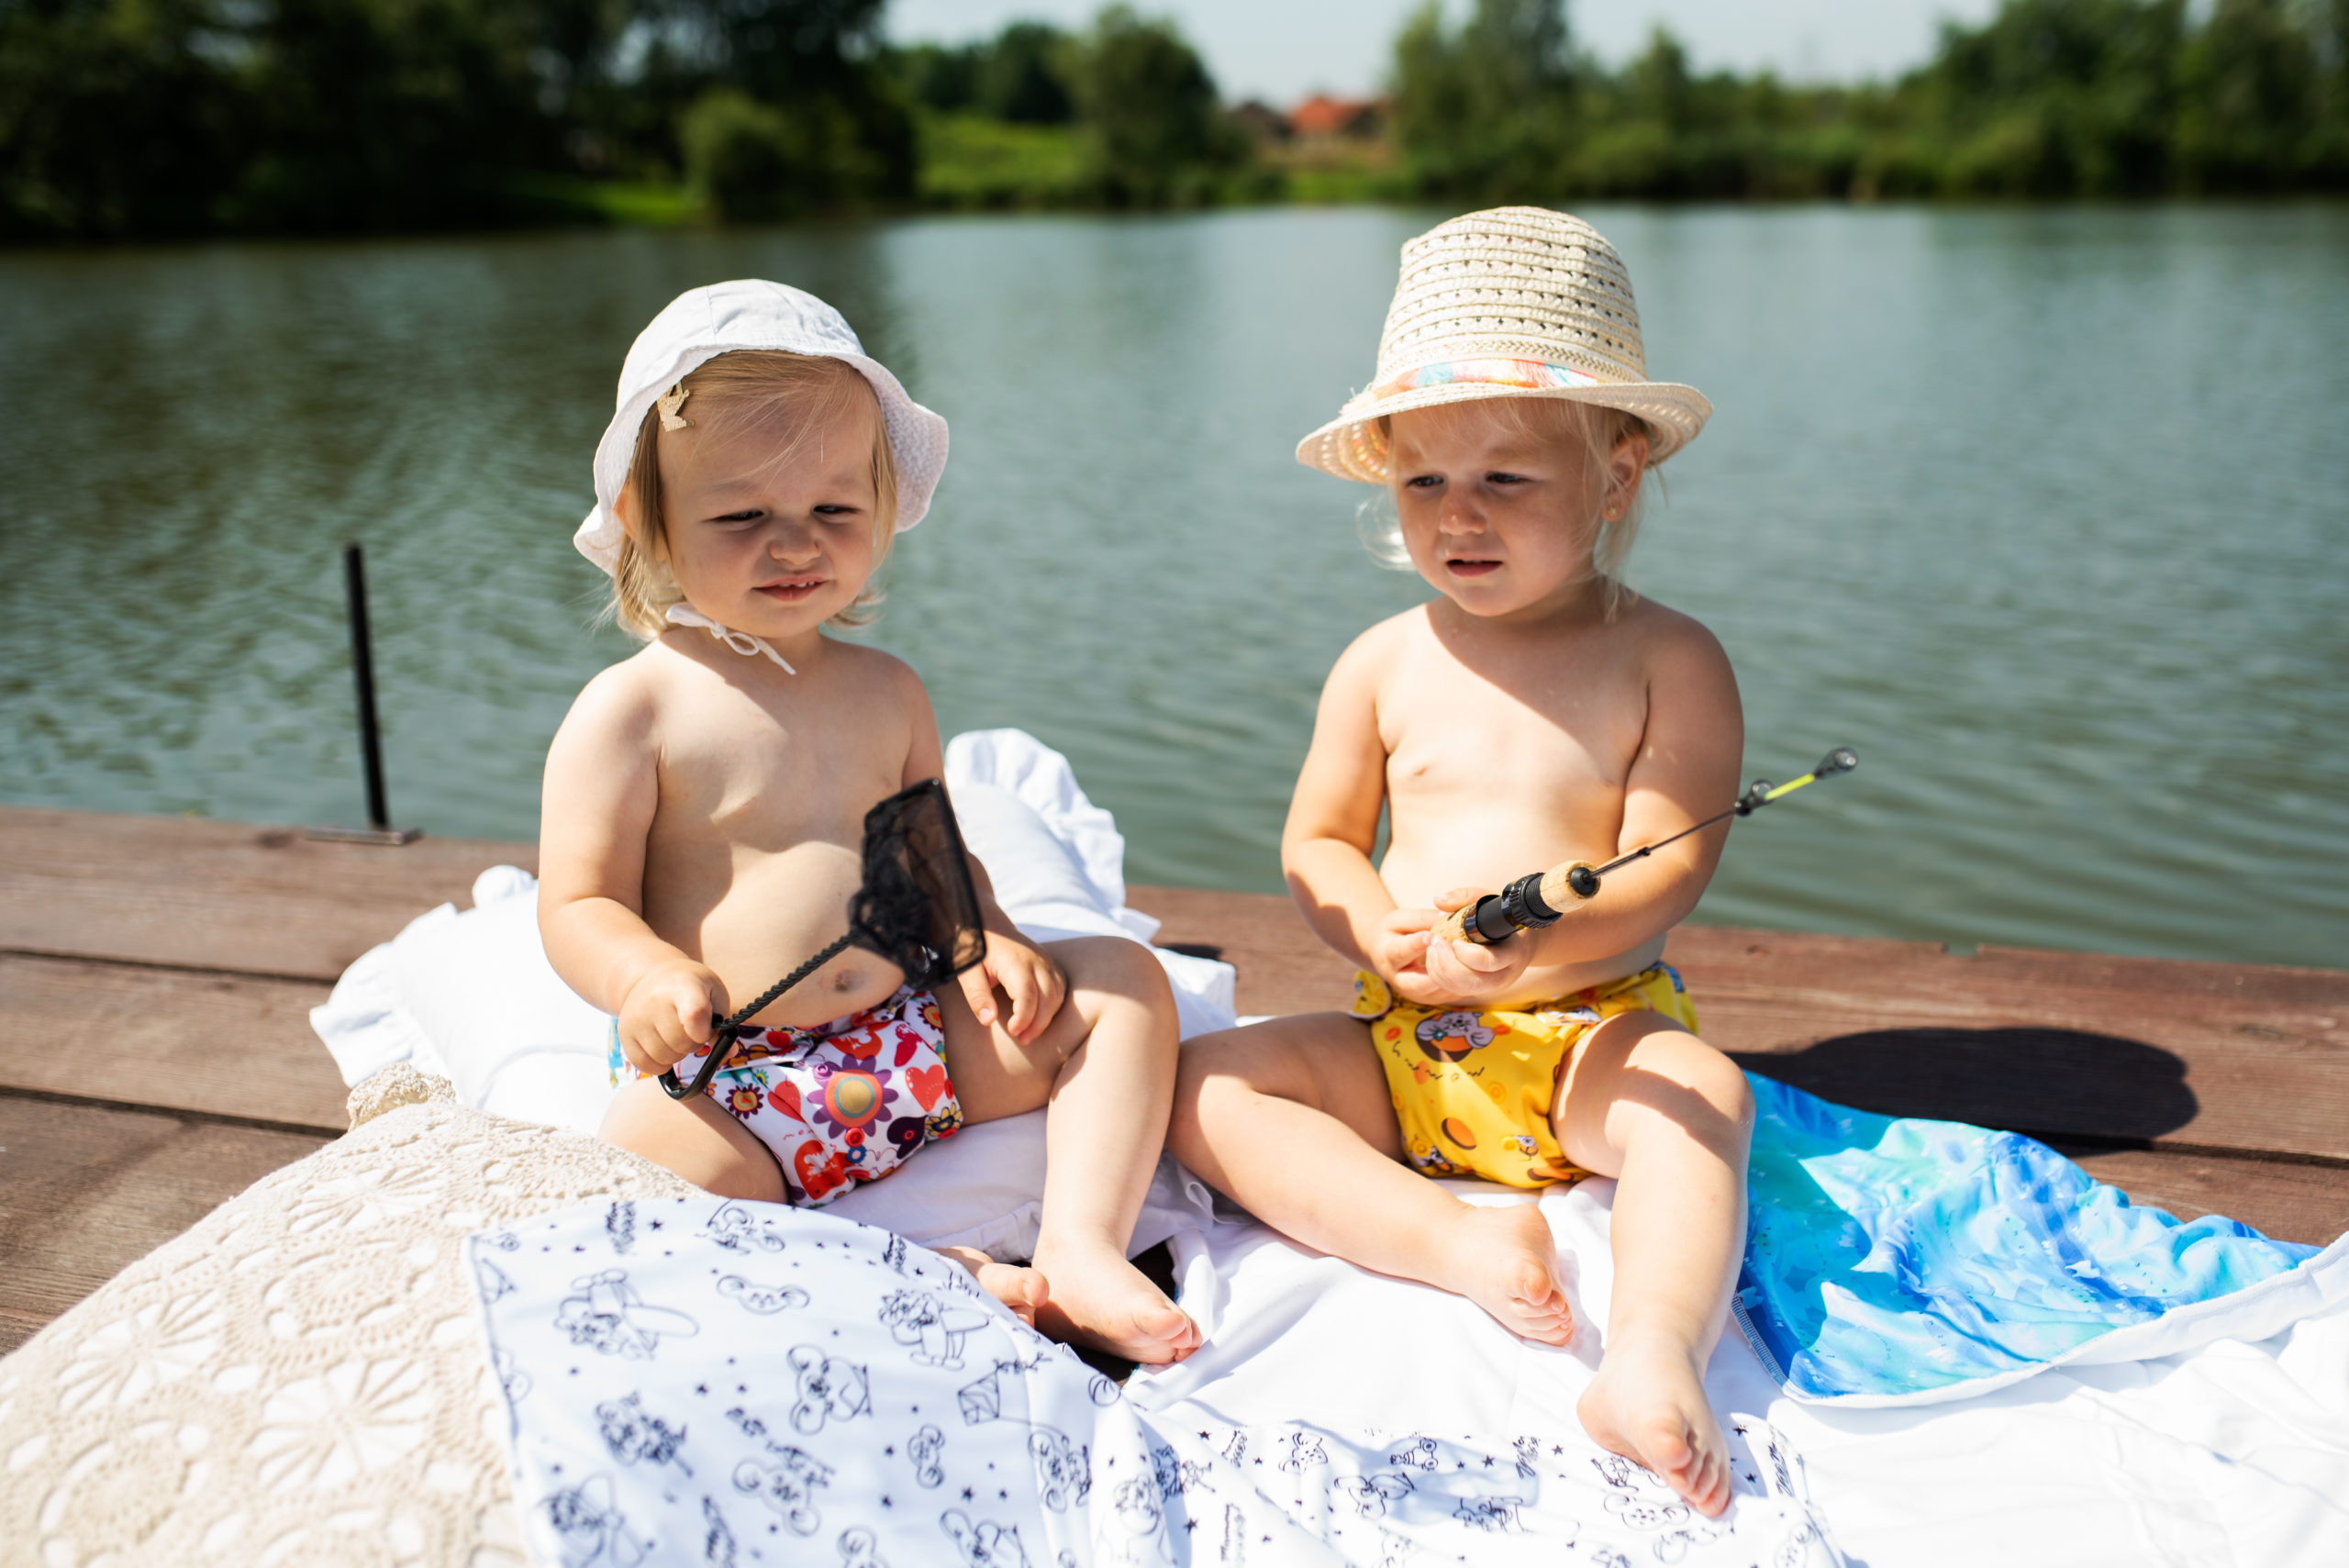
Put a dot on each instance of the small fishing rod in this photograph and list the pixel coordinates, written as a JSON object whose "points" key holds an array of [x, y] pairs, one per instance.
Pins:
{"points": [[1545, 897]]}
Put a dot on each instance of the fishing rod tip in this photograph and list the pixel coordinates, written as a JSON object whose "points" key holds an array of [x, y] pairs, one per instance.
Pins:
{"points": [[1841, 760]]}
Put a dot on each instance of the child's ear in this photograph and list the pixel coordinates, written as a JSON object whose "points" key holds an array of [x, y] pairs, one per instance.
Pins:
{"points": [[624, 507], [1627, 464]]}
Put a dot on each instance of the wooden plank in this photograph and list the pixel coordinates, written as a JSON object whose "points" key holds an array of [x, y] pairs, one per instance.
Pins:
{"points": [[176, 1039], [2289, 1202], [2232, 1056], [219, 895], [85, 1191], [1283, 966], [2149, 1050]]}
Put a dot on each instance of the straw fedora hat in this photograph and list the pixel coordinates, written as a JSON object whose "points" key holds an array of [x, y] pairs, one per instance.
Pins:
{"points": [[1516, 302]]}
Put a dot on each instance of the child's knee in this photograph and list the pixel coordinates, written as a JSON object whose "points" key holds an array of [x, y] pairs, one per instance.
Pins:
{"points": [[1720, 1083], [1202, 1062], [1113, 967]]}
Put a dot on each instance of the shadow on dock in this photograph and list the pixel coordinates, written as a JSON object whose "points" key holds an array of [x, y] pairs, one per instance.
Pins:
{"points": [[2101, 1088]]}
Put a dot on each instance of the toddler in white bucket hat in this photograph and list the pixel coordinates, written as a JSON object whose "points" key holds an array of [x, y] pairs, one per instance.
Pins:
{"points": [[705, 807], [1533, 712]]}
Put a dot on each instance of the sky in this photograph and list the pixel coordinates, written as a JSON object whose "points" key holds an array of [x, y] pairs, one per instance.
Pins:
{"points": [[1281, 51]]}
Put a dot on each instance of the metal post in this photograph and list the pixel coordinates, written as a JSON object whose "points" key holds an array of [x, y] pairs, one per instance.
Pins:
{"points": [[362, 669], [379, 828]]}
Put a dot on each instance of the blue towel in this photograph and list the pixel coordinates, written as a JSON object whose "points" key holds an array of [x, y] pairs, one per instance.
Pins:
{"points": [[1896, 1261]]}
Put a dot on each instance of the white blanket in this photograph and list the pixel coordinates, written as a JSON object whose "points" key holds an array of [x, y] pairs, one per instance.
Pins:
{"points": [[2237, 1454], [692, 1379]]}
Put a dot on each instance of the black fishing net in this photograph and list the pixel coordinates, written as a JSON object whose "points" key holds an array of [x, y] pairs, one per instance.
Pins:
{"points": [[916, 907]]}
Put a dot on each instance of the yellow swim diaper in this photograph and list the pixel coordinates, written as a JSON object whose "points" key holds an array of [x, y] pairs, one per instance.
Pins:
{"points": [[1473, 1090]]}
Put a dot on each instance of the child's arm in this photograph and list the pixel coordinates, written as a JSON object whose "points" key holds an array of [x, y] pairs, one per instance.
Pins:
{"points": [[601, 790], [1032, 983], [1685, 769], [1334, 822]]}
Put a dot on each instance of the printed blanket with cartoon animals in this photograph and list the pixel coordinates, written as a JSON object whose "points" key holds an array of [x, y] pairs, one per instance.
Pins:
{"points": [[694, 1380]]}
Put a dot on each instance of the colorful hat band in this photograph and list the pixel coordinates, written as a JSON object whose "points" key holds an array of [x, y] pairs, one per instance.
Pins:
{"points": [[1530, 376]]}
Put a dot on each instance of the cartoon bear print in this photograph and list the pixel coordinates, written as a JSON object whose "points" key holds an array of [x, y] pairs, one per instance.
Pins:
{"points": [[1675, 1545], [1137, 1504], [1495, 1515], [923, 1448], [1304, 1449], [935, 1330], [983, 1543], [831, 1389], [1177, 1477], [634, 1436], [1063, 1469], [787, 1485], [763, 1299], [589, 1525], [861, 1548], [608, 1317], [1629, 1475], [1368, 1496], [1646, 1513], [738, 1229]]}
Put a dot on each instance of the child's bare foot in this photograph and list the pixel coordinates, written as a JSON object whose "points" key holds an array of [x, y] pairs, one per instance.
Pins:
{"points": [[1022, 1290], [1099, 1299], [1648, 1404], [1506, 1260]]}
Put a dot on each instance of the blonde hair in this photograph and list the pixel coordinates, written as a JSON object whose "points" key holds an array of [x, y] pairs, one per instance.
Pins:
{"points": [[1597, 429], [806, 392]]}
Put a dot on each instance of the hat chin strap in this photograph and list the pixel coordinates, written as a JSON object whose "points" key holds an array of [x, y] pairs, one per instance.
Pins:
{"points": [[740, 641]]}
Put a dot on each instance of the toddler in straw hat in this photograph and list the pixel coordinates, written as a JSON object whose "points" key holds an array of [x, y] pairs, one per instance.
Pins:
{"points": [[704, 812], [1535, 711]]}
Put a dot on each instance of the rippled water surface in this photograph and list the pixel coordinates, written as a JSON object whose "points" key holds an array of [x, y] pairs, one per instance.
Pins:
{"points": [[2044, 511]]}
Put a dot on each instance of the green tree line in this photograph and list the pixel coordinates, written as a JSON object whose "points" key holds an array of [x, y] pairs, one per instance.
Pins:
{"points": [[137, 117], [2049, 98], [130, 117]]}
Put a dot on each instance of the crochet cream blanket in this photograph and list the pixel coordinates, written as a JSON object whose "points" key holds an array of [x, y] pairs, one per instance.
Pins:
{"points": [[297, 1379]]}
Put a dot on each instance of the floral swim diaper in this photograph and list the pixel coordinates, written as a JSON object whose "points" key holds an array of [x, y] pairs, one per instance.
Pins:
{"points": [[846, 1101], [1473, 1090]]}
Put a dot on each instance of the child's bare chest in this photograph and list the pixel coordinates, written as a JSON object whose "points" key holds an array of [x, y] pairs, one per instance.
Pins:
{"points": [[1538, 725], [763, 774]]}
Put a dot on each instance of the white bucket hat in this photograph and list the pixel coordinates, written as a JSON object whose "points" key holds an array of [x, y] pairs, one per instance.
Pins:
{"points": [[1516, 302], [748, 313]]}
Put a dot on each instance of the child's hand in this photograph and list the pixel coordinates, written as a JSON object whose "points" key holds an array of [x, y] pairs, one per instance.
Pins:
{"points": [[669, 1014], [1401, 945], [1033, 984], [1457, 971]]}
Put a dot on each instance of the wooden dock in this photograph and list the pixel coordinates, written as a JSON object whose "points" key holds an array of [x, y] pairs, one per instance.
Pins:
{"points": [[155, 1057]]}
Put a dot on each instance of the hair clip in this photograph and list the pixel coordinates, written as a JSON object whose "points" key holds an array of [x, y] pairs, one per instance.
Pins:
{"points": [[670, 418]]}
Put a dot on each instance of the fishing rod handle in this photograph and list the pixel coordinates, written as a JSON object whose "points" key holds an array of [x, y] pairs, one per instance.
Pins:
{"points": [[1530, 904]]}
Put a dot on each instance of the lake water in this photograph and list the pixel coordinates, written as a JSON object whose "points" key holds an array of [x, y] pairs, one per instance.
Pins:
{"points": [[2043, 510]]}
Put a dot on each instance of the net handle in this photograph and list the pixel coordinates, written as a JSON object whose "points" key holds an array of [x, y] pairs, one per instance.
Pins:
{"points": [[730, 1029]]}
